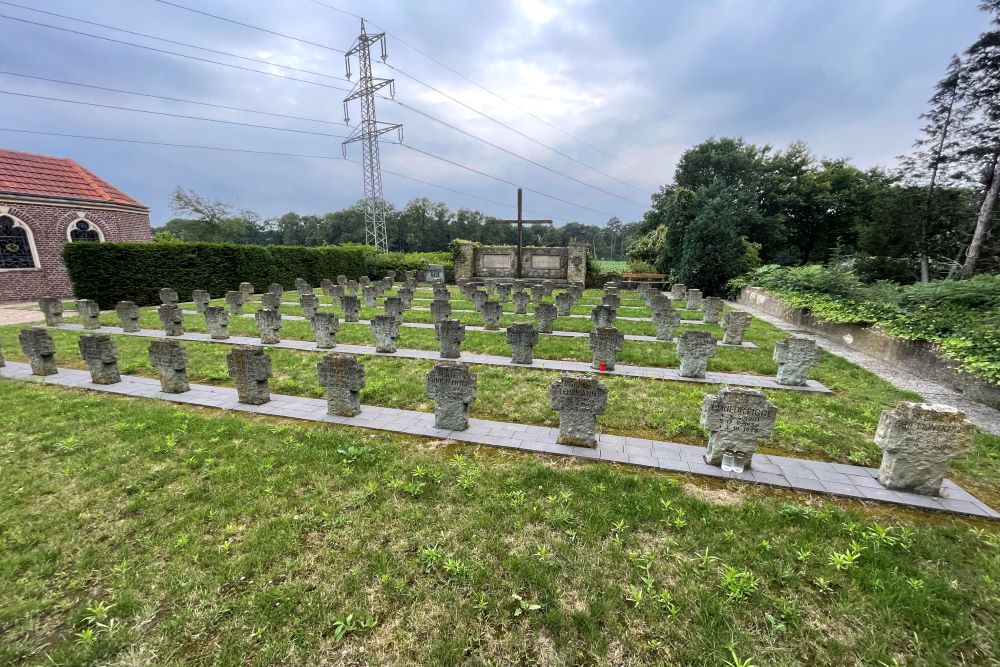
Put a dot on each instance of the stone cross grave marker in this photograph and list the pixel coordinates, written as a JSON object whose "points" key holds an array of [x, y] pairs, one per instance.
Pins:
{"points": [[170, 361], [387, 282], [918, 440], [309, 303], [386, 330], [666, 320], [128, 315], [736, 418], [522, 338], [547, 287], [301, 285], [271, 301], [326, 285], [613, 301], [276, 288], [603, 315], [246, 289], [368, 294], [364, 281], [450, 333], [578, 398], [521, 300], [37, 345], [452, 388], [503, 291], [325, 327], [491, 310], [200, 298], [268, 326], [168, 296], [695, 348], [478, 298], [491, 286], [172, 320], [406, 296], [537, 293], [217, 321], [393, 306], [336, 293], [343, 376], [391, 275], [694, 299], [352, 308], [441, 292], [352, 287], [52, 309], [795, 356], [564, 304], [250, 368], [234, 301], [342, 280], [735, 324], [606, 343], [678, 292], [89, 313], [440, 309], [545, 315], [100, 354], [711, 309]]}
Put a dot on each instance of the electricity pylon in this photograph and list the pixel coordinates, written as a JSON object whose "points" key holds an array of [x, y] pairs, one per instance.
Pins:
{"points": [[368, 131]]}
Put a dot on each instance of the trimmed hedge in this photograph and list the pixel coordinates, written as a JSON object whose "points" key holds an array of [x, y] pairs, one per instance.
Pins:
{"points": [[113, 272]]}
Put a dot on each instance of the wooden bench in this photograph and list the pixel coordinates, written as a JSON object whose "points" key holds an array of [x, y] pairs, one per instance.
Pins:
{"points": [[633, 279]]}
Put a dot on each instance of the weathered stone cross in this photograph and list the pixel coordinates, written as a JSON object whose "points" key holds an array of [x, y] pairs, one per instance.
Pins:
{"points": [[520, 222]]}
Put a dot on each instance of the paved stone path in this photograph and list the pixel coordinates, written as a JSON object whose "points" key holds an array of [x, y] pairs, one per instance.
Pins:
{"points": [[567, 334], [20, 313], [981, 415], [736, 379], [798, 474]]}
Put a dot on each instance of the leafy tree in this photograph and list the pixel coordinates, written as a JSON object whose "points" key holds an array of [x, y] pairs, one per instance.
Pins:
{"points": [[713, 252]]}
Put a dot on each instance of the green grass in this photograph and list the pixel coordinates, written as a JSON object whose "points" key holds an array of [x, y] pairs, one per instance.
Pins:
{"points": [[134, 532]]}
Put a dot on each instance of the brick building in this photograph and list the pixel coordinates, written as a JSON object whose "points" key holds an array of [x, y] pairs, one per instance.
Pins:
{"points": [[46, 202]]}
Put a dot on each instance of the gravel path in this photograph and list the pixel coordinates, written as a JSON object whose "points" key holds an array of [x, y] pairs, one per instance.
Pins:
{"points": [[981, 415], [20, 313]]}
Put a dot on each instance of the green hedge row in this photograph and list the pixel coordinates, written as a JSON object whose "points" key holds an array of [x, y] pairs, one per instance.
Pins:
{"points": [[112, 272]]}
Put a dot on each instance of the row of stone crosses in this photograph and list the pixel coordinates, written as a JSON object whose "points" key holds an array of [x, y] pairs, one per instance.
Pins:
{"points": [[795, 356], [918, 440]]}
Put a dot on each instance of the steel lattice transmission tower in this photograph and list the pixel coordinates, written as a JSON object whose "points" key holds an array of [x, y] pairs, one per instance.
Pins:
{"points": [[368, 131]]}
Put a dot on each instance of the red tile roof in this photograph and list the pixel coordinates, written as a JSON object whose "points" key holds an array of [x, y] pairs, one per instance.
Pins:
{"points": [[44, 176]]}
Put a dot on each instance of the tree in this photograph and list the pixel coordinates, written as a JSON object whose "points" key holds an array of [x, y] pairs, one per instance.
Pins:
{"points": [[713, 252], [212, 220]]}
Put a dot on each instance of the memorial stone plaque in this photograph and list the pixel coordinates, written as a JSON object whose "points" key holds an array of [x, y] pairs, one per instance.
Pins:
{"points": [[343, 376], [325, 327], [918, 440], [172, 319], [386, 330], [578, 398], [545, 315], [695, 348], [128, 314], [735, 324], [170, 361], [522, 338], [452, 388], [450, 333], [100, 354], [37, 345], [250, 368], [89, 313], [217, 321], [795, 356], [736, 418], [268, 326], [52, 309]]}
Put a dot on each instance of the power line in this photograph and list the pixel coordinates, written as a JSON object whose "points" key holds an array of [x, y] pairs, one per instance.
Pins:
{"points": [[510, 152], [515, 130], [501, 180], [172, 53], [170, 99], [227, 149], [171, 41], [174, 145], [477, 84], [247, 25], [172, 115]]}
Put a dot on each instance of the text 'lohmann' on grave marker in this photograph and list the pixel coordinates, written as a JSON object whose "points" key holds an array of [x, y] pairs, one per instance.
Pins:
{"points": [[578, 398]]}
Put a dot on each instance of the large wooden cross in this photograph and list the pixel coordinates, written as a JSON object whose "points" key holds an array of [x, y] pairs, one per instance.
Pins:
{"points": [[520, 222]]}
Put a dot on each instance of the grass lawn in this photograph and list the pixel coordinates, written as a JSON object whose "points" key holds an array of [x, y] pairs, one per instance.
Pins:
{"points": [[135, 532]]}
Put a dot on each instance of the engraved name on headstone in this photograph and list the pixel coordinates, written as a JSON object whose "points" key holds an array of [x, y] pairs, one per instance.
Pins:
{"points": [[578, 398], [386, 330], [522, 338], [736, 418], [450, 333], [452, 388], [343, 376]]}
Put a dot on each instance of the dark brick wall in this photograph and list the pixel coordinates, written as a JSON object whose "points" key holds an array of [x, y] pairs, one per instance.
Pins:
{"points": [[49, 225]]}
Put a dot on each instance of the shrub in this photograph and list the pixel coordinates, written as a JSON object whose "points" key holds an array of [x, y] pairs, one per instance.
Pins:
{"points": [[599, 272]]}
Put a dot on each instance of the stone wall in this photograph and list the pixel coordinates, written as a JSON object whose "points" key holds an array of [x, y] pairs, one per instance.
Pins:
{"points": [[917, 357], [561, 263], [49, 224]]}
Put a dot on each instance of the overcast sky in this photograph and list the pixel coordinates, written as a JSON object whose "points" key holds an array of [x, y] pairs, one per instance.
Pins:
{"points": [[639, 81]]}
